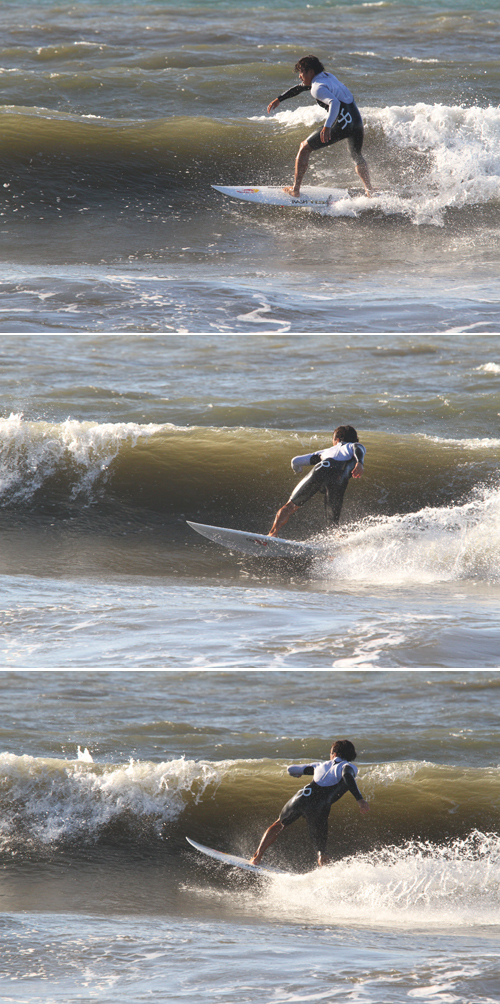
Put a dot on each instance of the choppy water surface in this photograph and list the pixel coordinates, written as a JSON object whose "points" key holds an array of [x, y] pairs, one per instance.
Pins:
{"points": [[115, 120]]}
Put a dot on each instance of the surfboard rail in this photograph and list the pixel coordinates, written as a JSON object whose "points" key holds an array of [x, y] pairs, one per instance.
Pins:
{"points": [[234, 861], [254, 543], [273, 195]]}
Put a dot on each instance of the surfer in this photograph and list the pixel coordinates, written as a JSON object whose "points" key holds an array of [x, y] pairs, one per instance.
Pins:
{"points": [[331, 780], [343, 121], [330, 476]]}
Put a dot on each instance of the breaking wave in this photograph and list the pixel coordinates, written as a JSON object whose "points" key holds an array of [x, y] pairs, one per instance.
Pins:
{"points": [[48, 804], [447, 157]]}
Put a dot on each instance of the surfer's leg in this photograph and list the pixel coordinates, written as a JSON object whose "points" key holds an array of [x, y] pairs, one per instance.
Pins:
{"points": [[269, 837], [301, 163], [317, 823], [355, 142], [301, 493], [334, 498], [288, 815], [362, 171], [282, 517]]}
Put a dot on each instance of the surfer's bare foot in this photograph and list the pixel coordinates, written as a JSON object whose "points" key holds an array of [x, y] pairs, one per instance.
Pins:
{"points": [[323, 859], [256, 859], [290, 190], [272, 534]]}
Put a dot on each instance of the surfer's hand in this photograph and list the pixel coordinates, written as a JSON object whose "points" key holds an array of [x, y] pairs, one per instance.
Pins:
{"points": [[357, 471], [363, 806], [274, 104], [325, 134]]}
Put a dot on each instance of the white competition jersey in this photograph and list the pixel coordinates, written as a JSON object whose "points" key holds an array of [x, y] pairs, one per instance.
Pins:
{"points": [[327, 773], [326, 88], [341, 451]]}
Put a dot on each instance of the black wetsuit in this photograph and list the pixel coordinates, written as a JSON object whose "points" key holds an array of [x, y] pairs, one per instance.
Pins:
{"points": [[330, 477], [315, 801]]}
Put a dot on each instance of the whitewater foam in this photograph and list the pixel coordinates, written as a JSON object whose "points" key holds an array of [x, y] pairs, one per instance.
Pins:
{"points": [[431, 545], [462, 150], [33, 451], [49, 801], [455, 884], [458, 148]]}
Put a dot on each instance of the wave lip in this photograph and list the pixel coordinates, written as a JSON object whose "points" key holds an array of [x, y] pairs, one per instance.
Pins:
{"points": [[34, 452], [47, 802]]}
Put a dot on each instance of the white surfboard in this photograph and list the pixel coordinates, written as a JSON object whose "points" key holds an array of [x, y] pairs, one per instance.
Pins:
{"points": [[255, 543], [269, 195], [234, 861]]}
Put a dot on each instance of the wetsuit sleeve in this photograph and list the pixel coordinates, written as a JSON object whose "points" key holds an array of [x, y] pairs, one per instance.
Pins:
{"points": [[325, 98], [359, 452], [348, 776], [299, 462], [292, 92], [297, 770]]}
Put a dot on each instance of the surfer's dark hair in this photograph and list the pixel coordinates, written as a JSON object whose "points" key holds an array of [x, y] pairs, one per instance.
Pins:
{"points": [[346, 434], [344, 749], [309, 63]]}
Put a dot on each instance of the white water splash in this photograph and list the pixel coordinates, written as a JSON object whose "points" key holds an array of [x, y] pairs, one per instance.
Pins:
{"points": [[455, 883], [431, 545], [45, 801], [459, 150]]}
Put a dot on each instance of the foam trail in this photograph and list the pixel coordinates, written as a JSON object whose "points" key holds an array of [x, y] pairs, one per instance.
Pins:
{"points": [[463, 148], [457, 151]]}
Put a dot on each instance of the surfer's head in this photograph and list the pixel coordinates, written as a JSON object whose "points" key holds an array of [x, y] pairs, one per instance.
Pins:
{"points": [[344, 749], [345, 434], [308, 63]]}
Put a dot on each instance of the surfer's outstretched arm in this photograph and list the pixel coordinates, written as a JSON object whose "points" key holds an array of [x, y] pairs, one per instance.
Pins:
{"points": [[290, 93]]}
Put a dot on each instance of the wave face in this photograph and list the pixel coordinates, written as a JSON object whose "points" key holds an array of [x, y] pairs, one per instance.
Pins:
{"points": [[448, 156], [114, 128], [449, 874], [101, 828], [52, 803]]}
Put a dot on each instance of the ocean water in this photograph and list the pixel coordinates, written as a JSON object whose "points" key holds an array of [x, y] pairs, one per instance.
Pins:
{"points": [[116, 118], [104, 773]]}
